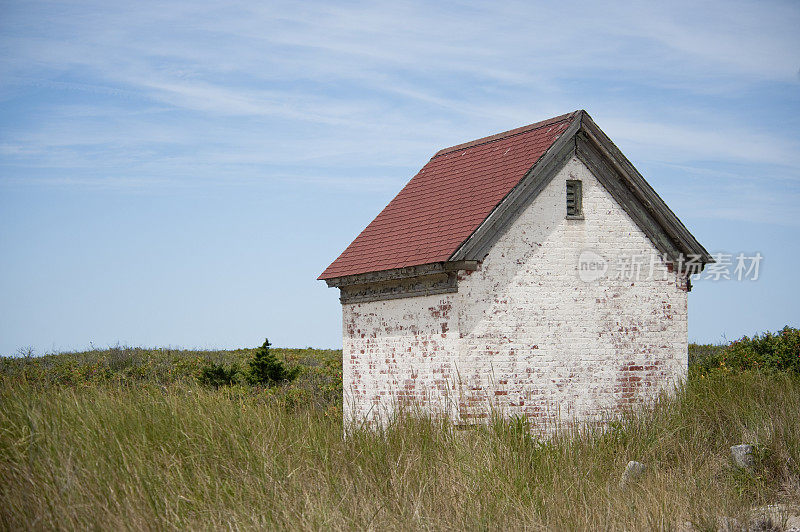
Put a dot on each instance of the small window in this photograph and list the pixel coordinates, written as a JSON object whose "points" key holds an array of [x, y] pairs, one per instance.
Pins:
{"points": [[574, 199]]}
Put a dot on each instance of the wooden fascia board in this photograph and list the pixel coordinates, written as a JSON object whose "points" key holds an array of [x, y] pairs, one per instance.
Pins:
{"points": [[439, 283], [643, 192], [402, 273], [603, 171]]}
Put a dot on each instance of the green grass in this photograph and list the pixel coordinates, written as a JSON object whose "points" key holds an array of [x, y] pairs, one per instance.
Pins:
{"points": [[318, 384], [91, 440]]}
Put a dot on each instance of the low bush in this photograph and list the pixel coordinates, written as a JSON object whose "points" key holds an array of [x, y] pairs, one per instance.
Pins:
{"points": [[216, 375], [778, 351]]}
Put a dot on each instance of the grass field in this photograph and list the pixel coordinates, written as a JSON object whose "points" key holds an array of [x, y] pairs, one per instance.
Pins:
{"points": [[126, 438]]}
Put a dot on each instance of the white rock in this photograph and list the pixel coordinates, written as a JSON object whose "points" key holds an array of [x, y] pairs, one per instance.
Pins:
{"points": [[633, 471], [743, 456]]}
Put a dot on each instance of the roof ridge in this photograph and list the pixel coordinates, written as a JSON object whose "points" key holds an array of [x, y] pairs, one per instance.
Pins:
{"points": [[506, 134]]}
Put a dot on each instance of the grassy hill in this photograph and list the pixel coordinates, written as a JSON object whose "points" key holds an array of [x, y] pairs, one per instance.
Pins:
{"points": [[318, 384], [127, 438]]}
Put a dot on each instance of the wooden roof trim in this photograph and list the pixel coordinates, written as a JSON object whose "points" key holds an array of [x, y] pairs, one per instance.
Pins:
{"points": [[635, 195], [396, 274], [645, 193]]}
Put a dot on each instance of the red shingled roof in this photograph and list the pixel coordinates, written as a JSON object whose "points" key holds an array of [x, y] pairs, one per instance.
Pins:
{"points": [[447, 200]]}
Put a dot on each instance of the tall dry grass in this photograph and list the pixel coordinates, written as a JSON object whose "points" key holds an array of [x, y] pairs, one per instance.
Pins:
{"points": [[182, 456]]}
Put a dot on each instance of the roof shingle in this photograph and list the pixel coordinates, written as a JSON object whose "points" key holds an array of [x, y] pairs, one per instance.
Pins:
{"points": [[447, 200]]}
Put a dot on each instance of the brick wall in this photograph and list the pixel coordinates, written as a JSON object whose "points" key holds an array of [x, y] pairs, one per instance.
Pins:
{"points": [[525, 335]]}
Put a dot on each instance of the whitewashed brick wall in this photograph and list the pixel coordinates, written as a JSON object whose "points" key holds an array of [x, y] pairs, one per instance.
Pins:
{"points": [[525, 335]]}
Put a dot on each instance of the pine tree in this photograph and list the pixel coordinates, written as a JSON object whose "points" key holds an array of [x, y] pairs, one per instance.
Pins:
{"points": [[266, 370]]}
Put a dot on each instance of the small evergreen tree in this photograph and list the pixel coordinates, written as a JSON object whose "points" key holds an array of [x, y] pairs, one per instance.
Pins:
{"points": [[266, 370]]}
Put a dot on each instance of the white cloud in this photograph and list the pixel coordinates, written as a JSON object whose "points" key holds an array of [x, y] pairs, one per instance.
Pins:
{"points": [[232, 90], [707, 141]]}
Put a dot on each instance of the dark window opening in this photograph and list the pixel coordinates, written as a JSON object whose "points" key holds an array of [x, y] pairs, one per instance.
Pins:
{"points": [[574, 199]]}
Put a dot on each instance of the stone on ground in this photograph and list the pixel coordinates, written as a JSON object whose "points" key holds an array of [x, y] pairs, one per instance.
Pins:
{"points": [[743, 456], [633, 471]]}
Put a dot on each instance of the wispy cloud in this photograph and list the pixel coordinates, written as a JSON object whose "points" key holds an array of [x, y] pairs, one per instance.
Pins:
{"points": [[151, 150], [233, 89], [706, 141]]}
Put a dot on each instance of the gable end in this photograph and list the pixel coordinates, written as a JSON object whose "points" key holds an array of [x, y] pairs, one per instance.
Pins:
{"points": [[618, 176], [635, 195]]}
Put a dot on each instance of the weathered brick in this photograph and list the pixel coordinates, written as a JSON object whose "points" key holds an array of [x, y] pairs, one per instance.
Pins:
{"points": [[523, 334]]}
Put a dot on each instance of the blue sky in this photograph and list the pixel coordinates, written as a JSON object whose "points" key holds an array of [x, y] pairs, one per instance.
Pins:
{"points": [[178, 174]]}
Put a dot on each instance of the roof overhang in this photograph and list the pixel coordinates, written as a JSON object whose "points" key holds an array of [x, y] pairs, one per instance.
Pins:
{"points": [[423, 280]]}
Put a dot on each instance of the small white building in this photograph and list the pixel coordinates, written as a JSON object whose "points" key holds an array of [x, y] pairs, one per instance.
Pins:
{"points": [[533, 273]]}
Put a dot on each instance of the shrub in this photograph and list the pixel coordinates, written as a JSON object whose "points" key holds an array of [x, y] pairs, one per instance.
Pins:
{"points": [[266, 370], [779, 351], [705, 355], [216, 375]]}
